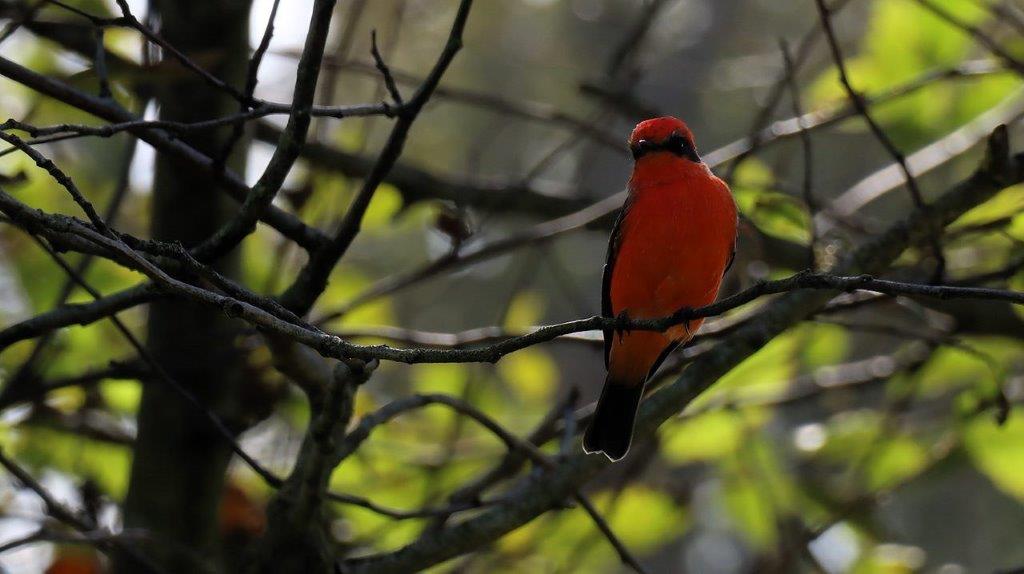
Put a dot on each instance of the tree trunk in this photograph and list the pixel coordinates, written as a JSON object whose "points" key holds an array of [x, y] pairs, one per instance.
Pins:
{"points": [[180, 459]]}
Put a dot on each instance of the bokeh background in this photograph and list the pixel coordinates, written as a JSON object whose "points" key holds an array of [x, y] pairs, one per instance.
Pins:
{"points": [[859, 442]]}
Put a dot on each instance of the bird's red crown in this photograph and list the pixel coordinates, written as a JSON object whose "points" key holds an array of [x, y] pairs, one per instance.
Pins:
{"points": [[659, 129]]}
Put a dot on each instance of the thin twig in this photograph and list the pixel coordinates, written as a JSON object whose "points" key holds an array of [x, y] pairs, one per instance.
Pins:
{"points": [[858, 102], [286, 223], [808, 158], [332, 346], [760, 131], [64, 514], [385, 71], [251, 79], [59, 176], [312, 279], [976, 33], [288, 147]]}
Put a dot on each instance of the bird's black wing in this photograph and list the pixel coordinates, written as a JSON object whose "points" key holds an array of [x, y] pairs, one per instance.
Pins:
{"points": [[732, 259], [614, 242]]}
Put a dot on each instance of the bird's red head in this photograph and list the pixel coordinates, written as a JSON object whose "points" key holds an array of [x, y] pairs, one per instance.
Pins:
{"points": [[667, 134]]}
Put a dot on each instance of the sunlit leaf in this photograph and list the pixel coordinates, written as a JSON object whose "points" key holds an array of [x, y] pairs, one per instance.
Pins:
{"points": [[123, 396], [1007, 203], [662, 520], [386, 203], [824, 344], [346, 283], [890, 559], [928, 44], [751, 510], [764, 374], [526, 309], [103, 462], [851, 434], [531, 372], [704, 437], [774, 213], [998, 451], [893, 461], [438, 377]]}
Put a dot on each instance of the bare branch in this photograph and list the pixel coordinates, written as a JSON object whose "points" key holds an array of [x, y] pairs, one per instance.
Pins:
{"points": [[976, 33], [862, 108], [288, 146], [808, 160], [59, 176], [312, 279], [287, 224], [77, 314], [65, 514], [385, 71], [513, 443], [251, 79]]}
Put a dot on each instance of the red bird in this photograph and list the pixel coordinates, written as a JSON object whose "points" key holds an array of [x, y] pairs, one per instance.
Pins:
{"points": [[672, 243]]}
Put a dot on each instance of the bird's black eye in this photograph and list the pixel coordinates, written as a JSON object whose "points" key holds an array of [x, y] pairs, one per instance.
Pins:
{"points": [[642, 147], [680, 145], [676, 143]]}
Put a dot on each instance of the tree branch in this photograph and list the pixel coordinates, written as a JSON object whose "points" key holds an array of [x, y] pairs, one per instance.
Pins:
{"points": [[287, 147], [538, 493], [332, 346], [858, 102], [286, 223], [313, 277]]}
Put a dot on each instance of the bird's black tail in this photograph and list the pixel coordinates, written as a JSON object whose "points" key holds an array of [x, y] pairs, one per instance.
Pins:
{"points": [[611, 429]]}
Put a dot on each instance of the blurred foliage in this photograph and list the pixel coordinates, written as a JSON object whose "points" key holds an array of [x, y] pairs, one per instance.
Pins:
{"points": [[904, 41], [755, 455]]}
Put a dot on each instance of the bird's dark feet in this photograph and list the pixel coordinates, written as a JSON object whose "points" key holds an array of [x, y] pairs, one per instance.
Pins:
{"points": [[622, 322], [682, 317]]}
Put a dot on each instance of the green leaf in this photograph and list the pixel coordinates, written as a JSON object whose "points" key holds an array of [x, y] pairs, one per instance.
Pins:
{"points": [[824, 344], [346, 283], [893, 462], [775, 213], [890, 559], [106, 463], [980, 369], [764, 374], [526, 310], [998, 451], [385, 205], [662, 519], [532, 373], [1007, 203], [850, 435], [708, 436], [751, 511], [122, 396], [903, 40], [446, 378]]}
